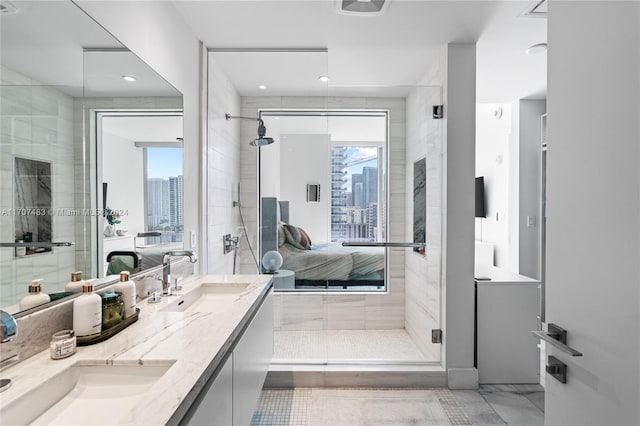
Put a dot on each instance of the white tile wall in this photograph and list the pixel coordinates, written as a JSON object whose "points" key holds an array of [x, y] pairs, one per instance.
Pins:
{"points": [[312, 312], [36, 122], [423, 274], [223, 170]]}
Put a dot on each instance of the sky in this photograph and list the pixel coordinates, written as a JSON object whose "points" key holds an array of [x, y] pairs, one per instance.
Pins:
{"points": [[164, 162]]}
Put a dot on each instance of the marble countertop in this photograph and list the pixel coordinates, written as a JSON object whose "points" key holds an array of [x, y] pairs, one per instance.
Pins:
{"points": [[197, 342]]}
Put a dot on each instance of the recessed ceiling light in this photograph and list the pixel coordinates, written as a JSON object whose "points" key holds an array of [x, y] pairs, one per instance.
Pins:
{"points": [[276, 118], [262, 87], [536, 48], [129, 78], [324, 78]]}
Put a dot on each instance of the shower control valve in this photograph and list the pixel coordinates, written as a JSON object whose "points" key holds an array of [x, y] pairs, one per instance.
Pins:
{"points": [[230, 243]]}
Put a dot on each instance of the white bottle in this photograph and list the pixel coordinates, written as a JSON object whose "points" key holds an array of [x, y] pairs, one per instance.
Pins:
{"points": [[35, 296], [76, 283], [127, 290], [87, 312]]}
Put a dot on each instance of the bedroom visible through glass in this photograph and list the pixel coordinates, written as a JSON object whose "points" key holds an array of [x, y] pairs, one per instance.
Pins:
{"points": [[324, 183]]}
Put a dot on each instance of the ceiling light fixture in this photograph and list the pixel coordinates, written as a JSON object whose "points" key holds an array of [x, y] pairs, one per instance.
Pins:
{"points": [[536, 48], [324, 78], [262, 87], [129, 78], [362, 7]]}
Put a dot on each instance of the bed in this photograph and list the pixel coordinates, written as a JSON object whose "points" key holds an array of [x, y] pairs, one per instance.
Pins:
{"points": [[318, 265]]}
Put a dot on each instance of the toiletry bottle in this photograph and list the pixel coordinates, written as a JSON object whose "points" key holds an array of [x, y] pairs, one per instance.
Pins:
{"points": [[76, 283], [35, 296], [87, 312], [21, 251], [127, 290]]}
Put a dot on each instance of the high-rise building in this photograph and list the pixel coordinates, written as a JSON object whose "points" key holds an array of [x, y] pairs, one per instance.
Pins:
{"points": [[176, 212], [338, 193], [369, 186], [157, 202]]}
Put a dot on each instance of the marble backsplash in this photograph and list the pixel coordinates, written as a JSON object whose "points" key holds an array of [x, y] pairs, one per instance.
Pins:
{"points": [[35, 330]]}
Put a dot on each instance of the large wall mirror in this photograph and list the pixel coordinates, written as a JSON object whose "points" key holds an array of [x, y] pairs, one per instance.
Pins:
{"points": [[90, 152]]}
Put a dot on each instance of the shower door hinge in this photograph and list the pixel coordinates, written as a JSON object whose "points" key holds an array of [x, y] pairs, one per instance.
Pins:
{"points": [[436, 336], [438, 111]]}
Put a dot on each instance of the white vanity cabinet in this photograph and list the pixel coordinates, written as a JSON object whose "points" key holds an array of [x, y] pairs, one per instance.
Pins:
{"points": [[216, 406], [251, 358], [232, 397]]}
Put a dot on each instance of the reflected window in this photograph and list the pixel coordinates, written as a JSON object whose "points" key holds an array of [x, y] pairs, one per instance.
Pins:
{"points": [[164, 209]]}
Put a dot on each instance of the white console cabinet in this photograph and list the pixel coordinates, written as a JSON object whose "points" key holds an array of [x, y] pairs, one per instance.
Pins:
{"points": [[506, 314], [232, 397]]}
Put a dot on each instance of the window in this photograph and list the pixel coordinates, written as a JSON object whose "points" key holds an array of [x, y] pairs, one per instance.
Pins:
{"points": [[164, 182], [357, 198]]}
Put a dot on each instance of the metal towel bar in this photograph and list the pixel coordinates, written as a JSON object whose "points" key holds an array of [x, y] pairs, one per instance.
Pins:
{"points": [[38, 244], [367, 244]]}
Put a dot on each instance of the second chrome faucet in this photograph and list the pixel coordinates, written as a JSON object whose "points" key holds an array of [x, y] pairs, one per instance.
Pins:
{"points": [[166, 266]]}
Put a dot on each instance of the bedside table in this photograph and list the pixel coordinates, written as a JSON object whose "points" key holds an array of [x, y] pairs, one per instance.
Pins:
{"points": [[284, 279]]}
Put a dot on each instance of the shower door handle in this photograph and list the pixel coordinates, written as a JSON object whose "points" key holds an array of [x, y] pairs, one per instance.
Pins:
{"points": [[557, 336], [388, 244]]}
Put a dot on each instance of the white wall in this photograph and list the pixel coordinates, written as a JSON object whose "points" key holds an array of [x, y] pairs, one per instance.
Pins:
{"points": [[529, 186], [493, 161], [156, 32], [123, 170], [306, 161], [593, 226], [458, 248]]}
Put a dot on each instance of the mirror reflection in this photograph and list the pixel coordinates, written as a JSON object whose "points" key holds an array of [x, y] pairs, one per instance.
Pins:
{"points": [[59, 72]]}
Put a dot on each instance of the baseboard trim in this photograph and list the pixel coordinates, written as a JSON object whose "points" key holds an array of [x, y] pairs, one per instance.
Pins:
{"points": [[462, 378], [352, 376]]}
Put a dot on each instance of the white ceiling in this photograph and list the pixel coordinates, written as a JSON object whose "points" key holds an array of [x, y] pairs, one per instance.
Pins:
{"points": [[373, 55], [45, 40], [144, 129]]}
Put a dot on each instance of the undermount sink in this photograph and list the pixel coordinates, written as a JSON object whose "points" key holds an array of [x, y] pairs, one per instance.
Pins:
{"points": [[208, 297], [85, 394]]}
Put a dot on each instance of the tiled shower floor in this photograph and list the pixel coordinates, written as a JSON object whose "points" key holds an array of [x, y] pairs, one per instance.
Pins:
{"points": [[336, 345]]}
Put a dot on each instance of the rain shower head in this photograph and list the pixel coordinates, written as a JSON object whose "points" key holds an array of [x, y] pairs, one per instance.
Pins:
{"points": [[261, 140]]}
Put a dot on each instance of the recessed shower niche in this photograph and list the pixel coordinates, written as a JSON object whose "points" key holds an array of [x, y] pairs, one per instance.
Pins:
{"points": [[32, 204]]}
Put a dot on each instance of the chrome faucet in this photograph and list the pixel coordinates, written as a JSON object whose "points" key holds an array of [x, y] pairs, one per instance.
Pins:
{"points": [[166, 266]]}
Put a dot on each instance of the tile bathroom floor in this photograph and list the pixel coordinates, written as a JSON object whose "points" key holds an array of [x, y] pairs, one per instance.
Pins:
{"points": [[489, 405]]}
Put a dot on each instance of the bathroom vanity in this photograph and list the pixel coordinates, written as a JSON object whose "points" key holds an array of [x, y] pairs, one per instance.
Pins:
{"points": [[199, 357]]}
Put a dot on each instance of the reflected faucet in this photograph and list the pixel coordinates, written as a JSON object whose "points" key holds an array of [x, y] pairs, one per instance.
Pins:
{"points": [[166, 266], [8, 330]]}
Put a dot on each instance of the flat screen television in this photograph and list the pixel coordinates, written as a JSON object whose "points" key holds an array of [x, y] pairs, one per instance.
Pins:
{"points": [[480, 201]]}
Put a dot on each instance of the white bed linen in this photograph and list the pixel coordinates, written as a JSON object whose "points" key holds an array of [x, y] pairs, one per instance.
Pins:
{"points": [[332, 261]]}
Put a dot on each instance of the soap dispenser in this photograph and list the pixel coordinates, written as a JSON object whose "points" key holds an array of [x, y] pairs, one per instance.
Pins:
{"points": [[35, 296], [76, 283], [127, 290], [87, 312]]}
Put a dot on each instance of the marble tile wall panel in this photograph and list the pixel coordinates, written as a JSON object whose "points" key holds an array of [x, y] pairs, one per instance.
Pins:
{"points": [[423, 279], [224, 157]]}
